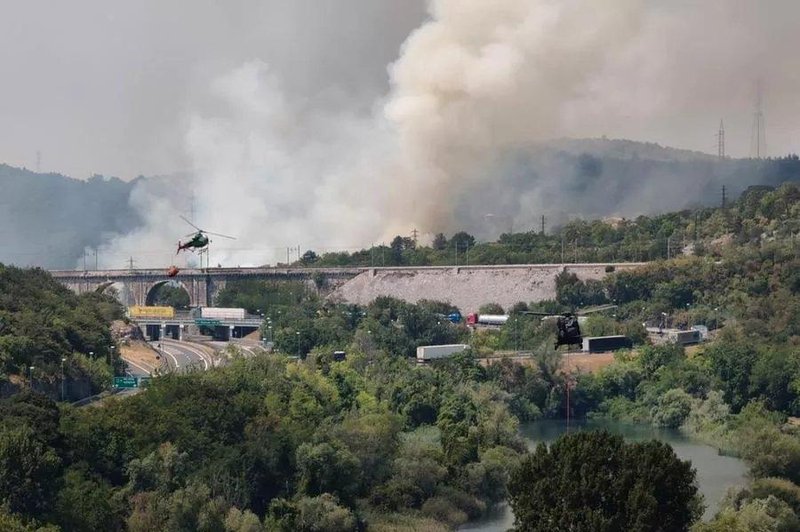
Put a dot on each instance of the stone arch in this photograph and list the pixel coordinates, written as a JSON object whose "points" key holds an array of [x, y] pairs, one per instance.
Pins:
{"points": [[119, 290], [152, 290]]}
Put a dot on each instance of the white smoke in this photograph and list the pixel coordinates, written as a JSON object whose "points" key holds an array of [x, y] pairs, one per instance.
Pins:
{"points": [[475, 84]]}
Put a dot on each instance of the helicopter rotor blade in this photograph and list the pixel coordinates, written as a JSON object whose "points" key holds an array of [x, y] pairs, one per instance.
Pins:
{"points": [[188, 222], [601, 308], [190, 234], [218, 234]]}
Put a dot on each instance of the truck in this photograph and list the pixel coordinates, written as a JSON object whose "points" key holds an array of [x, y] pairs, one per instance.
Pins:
{"points": [[692, 336], [486, 319], [601, 344], [140, 311], [219, 313], [426, 353]]}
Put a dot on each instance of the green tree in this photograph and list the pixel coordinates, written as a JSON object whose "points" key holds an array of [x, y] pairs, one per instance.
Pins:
{"points": [[28, 469], [595, 481]]}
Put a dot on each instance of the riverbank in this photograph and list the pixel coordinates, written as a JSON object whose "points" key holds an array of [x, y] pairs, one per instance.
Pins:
{"points": [[716, 473]]}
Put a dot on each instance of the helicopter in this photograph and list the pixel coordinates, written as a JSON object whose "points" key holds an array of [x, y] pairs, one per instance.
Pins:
{"points": [[567, 323], [199, 240]]}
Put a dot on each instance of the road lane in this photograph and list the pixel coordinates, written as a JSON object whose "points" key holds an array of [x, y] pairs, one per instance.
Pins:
{"points": [[183, 356]]}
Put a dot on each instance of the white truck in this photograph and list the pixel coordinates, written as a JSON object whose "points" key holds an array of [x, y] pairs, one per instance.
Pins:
{"points": [[433, 352], [219, 313]]}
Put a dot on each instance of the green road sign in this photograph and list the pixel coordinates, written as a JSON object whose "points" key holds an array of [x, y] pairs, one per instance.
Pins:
{"points": [[143, 381], [126, 382], [205, 322]]}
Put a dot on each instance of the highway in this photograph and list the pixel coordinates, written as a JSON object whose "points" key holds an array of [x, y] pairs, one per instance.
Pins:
{"points": [[184, 356]]}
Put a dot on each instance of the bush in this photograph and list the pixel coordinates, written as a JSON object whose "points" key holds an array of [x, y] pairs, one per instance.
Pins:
{"points": [[672, 409]]}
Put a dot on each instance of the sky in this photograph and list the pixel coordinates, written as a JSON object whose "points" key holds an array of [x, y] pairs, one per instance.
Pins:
{"points": [[108, 86]]}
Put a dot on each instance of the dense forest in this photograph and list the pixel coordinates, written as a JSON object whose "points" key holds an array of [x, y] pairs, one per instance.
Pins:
{"points": [[47, 331], [375, 442]]}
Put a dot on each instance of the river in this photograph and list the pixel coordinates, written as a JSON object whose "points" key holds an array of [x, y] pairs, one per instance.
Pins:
{"points": [[715, 473]]}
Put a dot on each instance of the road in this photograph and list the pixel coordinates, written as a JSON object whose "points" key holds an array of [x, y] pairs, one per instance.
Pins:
{"points": [[185, 356]]}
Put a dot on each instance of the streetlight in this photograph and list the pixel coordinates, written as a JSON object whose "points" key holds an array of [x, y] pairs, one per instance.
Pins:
{"points": [[30, 375], [270, 333], [111, 358], [63, 360], [297, 333]]}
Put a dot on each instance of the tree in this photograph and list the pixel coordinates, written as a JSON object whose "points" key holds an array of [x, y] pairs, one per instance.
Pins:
{"points": [[309, 257], [595, 481], [462, 240], [27, 471], [491, 308], [439, 242]]}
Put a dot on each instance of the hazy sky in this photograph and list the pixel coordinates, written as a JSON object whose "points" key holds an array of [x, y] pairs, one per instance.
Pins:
{"points": [[106, 86], [109, 86]]}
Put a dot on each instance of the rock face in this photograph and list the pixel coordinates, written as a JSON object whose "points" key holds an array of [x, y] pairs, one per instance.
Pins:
{"points": [[467, 287]]}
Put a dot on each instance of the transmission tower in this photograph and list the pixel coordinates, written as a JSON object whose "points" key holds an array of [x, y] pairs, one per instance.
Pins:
{"points": [[724, 197], [721, 141], [758, 139], [414, 235]]}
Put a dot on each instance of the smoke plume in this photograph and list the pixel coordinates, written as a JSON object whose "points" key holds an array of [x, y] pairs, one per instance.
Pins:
{"points": [[476, 91]]}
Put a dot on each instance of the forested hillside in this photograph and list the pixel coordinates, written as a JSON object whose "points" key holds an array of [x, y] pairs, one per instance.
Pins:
{"points": [[42, 322], [760, 214], [47, 220]]}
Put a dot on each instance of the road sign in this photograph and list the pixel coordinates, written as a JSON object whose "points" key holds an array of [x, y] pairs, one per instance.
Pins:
{"points": [[126, 382], [205, 322], [143, 381]]}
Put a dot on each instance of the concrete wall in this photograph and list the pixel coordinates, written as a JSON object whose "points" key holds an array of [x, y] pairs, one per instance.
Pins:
{"points": [[467, 287]]}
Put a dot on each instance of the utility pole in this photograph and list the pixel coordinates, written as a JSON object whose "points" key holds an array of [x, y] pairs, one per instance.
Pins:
{"points": [[562, 246], [721, 141], [95, 259], [758, 140], [63, 388], [543, 223], [287, 256], [724, 197], [130, 264]]}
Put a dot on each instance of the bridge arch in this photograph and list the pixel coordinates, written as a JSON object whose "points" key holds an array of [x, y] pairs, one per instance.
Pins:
{"points": [[153, 290], [118, 290]]}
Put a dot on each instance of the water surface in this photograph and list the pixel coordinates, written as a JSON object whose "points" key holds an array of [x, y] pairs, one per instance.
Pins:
{"points": [[715, 473]]}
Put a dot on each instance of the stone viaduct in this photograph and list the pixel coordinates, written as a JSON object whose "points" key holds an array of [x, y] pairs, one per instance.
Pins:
{"points": [[466, 287], [137, 287]]}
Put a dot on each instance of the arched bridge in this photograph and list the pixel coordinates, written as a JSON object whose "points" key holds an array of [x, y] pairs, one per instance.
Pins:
{"points": [[136, 287], [467, 287]]}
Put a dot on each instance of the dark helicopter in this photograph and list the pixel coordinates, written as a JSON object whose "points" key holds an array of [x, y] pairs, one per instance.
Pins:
{"points": [[199, 240], [567, 323]]}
